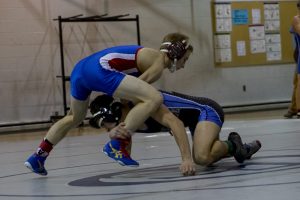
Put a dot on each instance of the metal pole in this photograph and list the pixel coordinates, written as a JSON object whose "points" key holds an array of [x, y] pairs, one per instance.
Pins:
{"points": [[62, 63], [138, 30]]}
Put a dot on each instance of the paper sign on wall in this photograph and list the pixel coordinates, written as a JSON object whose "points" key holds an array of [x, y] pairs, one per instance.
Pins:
{"points": [[223, 17], [257, 32], [222, 41], [257, 46], [223, 55], [273, 47], [241, 48], [256, 17]]}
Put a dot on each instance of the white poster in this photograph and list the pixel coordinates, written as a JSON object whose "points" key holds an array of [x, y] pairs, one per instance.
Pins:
{"points": [[273, 38], [223, 10], [272, 25], [222, 41], [223, 17], [271, 11], [273, 56], [241, 48], [272, 17], [257, 32], [273, 47], [223, 25], [256, 16], [257, 46], [223, 55]]}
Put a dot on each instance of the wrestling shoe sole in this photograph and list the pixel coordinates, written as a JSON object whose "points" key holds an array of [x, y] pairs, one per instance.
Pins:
{"points": [[28, 165]]}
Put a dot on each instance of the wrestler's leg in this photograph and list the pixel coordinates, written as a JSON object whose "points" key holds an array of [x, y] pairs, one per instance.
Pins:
{"points": [[147, 97], [75, 116], [58, 131], [207, 148]]}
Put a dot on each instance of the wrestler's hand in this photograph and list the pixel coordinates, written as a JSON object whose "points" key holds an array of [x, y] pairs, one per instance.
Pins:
{"points": [[119, 132], [188, 168]]}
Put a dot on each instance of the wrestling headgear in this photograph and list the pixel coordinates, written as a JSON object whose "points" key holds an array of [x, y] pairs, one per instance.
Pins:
{"points": [[175, 51], [105, 109]]}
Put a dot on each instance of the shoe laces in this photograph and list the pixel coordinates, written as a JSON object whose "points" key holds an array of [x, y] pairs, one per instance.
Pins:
{"points": [[122, 149], [123, 145]]}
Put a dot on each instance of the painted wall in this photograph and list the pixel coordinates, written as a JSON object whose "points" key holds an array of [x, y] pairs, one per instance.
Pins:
{"points": [[30, 62]]}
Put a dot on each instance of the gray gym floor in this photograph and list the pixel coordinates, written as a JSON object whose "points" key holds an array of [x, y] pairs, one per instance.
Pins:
{"points": [[78, 170]]}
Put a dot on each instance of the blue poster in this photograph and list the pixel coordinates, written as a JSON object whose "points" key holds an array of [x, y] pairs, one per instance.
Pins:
{"points": [[240, 16]]}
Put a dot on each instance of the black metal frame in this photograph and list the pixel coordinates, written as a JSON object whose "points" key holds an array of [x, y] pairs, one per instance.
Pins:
{"points": [[80, 18]]}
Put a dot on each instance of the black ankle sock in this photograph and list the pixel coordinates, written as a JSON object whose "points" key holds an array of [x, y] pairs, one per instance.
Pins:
{"points": [[231, 147]]}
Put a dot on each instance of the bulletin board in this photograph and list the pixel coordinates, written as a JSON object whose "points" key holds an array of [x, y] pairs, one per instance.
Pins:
{"points": [[239, 46]]}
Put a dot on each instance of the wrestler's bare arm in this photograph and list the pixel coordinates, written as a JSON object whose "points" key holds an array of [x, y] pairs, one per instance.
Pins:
{"points": [[168, 119], [151, 63]]}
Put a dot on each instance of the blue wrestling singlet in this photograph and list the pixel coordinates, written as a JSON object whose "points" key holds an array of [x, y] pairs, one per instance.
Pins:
{"points": [[103, 71], [192, 110], [297, 41]]}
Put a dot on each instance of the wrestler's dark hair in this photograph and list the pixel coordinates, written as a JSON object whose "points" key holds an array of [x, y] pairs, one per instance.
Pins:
{"points": [[99, 102]]}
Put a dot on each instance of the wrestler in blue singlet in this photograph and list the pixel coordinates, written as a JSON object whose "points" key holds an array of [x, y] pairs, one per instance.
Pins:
{"points": [[103, 71], [190, 110]]}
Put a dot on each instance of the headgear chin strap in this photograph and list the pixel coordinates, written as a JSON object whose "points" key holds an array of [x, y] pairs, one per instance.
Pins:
{"points": [[172, 68], [175, 51]]}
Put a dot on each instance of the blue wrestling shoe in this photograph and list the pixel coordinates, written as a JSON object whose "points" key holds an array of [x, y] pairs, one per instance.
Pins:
{"points": [[36, 164], [116, 149]]}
